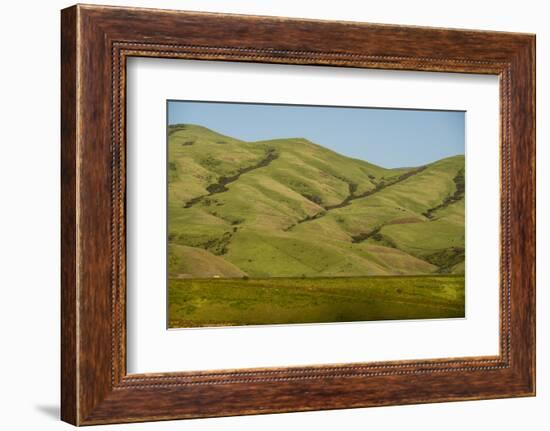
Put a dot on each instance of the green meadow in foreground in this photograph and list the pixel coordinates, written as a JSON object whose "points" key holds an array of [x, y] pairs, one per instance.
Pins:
{"points": [[323, 225], [228, 302]]}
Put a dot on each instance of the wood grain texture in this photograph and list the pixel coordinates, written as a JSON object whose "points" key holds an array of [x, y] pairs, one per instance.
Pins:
{"points": [[69, 366], [96, 41]]}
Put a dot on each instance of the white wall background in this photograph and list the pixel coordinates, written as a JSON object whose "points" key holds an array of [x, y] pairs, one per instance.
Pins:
{"points": [[29, 214]]}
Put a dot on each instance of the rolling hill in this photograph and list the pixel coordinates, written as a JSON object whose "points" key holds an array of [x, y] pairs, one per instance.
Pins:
{"points": [[292, 208]]}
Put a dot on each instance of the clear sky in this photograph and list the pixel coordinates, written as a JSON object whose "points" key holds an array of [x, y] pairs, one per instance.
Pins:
{"points": [[386, 137]]}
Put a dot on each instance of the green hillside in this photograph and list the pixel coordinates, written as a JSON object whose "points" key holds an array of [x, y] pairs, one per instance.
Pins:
{"points": [[292, 208]]}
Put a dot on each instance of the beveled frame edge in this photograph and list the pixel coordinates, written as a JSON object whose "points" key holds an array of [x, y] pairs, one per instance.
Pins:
{"points": [[95, 44]]}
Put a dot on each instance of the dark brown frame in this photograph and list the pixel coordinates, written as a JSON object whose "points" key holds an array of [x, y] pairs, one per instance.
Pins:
{"points": [[96, 41]]}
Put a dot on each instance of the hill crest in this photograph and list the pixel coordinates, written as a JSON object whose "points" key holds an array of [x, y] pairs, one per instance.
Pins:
{"points": [[290, 207]]}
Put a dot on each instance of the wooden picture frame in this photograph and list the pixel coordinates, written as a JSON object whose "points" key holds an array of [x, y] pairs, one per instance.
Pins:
{"points": [[95, 43]]}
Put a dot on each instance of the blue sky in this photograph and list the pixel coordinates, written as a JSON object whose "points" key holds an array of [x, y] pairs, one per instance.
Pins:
{"points": [[386, 137]]}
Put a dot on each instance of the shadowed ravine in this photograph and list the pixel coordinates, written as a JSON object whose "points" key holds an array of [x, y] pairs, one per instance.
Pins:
{"points": [[455, 197], [351, 197], [221, 185]]}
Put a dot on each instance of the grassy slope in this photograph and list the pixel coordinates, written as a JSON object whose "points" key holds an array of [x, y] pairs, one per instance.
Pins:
{"points": [[263, 223], [187, 261]]}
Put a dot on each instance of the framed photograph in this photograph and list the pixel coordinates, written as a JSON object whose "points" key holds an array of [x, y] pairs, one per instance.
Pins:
{"points": [[264, 215], [268, 226]]}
